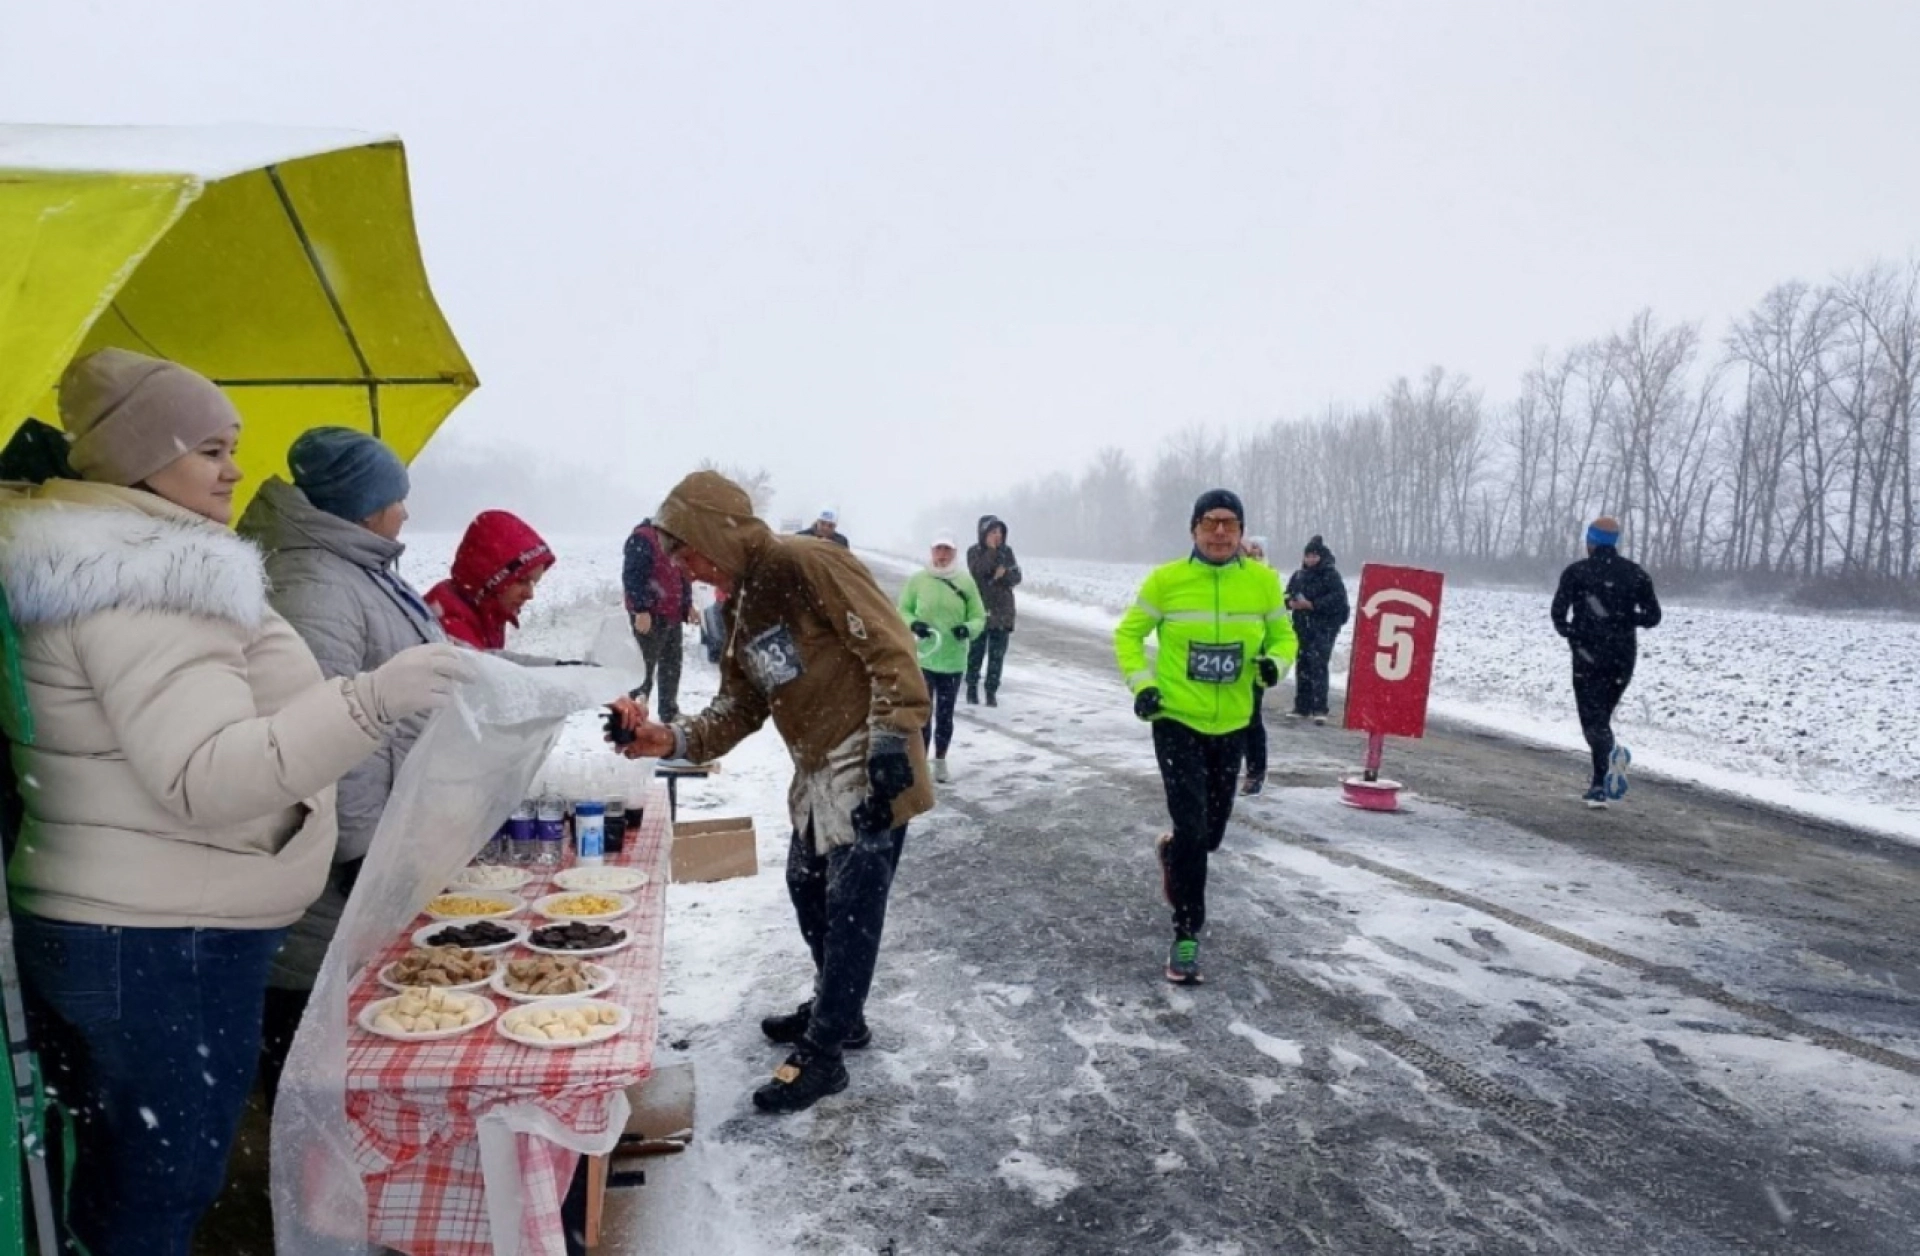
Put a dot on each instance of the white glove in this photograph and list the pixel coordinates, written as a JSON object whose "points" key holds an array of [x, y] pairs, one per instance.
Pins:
{"points": [[423, 678]]}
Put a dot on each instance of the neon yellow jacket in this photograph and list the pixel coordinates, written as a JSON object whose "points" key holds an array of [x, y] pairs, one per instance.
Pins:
{"points": [[1192, 603]]}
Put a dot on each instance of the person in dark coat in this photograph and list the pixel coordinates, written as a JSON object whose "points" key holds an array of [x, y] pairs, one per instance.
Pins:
{"points": [[997, 572], [1317, 596], [659, 599], [827, 528], [1601, 604]]}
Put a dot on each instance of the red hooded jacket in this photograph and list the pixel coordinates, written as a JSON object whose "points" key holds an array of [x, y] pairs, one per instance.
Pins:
{"points": [[498, 549]]}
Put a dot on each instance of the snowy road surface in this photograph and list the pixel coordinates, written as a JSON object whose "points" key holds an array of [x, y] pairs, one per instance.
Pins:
{"points": [[1494, 1024]]}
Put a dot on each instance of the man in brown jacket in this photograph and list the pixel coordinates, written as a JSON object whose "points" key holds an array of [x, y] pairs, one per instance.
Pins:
{"points": [[814, 644]]}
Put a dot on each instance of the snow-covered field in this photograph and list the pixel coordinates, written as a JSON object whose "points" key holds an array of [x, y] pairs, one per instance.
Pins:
{"points": [[1820, 714]]}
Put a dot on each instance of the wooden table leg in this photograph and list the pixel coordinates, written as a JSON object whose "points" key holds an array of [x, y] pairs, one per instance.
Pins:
{"points": [[596, 1197]]}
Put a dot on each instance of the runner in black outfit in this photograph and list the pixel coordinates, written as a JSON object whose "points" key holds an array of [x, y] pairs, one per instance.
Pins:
{"points": [[1602, 601]]}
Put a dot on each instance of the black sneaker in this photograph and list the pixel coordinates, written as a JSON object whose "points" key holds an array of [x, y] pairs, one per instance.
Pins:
{"points": [[973, 696], [804, 1080], [993, 699], [791, 1028], [1183, 960]]}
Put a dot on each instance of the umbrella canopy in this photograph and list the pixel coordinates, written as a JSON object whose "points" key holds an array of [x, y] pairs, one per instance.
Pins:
{"points": [[281, 264]]}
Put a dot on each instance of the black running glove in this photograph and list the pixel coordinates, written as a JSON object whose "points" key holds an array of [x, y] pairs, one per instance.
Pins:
{"points": [[960, 633], [1268, 671], [921, 629], [1146, 703], [889, 775]]}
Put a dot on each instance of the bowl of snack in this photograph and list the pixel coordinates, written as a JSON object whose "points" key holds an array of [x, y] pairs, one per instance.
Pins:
{"points": [[424, 1015], [578, 937], [488, 936], [583, 905], [444, 967], [488, 877], [468, 905], [551, 977], [604, 880], [564, 1023]]}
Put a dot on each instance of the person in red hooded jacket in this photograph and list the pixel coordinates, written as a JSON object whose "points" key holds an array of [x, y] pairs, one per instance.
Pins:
{"points": [[495, 570]]}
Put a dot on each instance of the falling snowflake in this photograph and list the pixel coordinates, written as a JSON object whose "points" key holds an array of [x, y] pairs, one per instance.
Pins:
{"points": [[153, 1122]]}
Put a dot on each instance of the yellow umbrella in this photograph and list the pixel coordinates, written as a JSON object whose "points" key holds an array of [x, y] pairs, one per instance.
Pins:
{"points": [[282, 264]]}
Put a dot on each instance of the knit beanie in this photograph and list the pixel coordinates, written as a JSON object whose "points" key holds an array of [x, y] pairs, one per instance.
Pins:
{"points": [[130, 415], [1217, 499], [1604, 531], [347, 473], [1315, 545]]}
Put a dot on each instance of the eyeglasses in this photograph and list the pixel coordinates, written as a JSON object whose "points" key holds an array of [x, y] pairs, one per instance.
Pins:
{"points": [[1219, 523]]}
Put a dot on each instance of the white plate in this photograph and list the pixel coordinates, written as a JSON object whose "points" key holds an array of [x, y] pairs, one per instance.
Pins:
{"points": [[602, 978], [484, 877], [544, 907], [590, 953], [391, 984], [509, 905], [603, 1033], [372, 1010], [601, 880], [514, 927]]}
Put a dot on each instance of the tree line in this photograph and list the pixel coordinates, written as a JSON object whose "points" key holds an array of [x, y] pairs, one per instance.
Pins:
{"points": [[1781, 454]]}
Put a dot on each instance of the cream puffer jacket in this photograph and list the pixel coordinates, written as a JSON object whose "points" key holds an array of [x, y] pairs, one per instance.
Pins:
{"points": [[179, 771]]}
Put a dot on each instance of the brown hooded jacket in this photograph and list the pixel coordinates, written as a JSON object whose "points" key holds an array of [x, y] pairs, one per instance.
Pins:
{"points": [[812, 642]]}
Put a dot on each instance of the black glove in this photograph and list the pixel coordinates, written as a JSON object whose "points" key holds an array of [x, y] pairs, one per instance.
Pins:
{"points": [[921, 629], [961, 633], [346, 875], [1268, 671], [618, 733], [889, 775], [1146, 703]]}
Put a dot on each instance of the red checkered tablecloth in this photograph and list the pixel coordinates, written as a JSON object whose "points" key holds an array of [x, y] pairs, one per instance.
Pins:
{"points": [[414, 1107]]}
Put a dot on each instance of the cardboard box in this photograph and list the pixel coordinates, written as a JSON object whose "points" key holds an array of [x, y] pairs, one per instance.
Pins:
{"points": [[714, 850]]}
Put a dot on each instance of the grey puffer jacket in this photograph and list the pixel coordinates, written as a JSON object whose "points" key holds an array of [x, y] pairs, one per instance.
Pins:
{"points": [[335, 582]]}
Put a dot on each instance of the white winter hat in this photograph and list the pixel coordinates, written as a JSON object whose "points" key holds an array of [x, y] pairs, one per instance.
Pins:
{"points": [[944, 539], [828, 515]]}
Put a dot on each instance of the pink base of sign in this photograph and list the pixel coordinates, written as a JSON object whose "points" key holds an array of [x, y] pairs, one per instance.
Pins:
{"points": [[1370, 795]]}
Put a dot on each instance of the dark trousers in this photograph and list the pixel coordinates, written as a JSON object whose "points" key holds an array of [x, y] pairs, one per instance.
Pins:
{"points": [[1199, 773], [1257, 738], [937, 732], [150, 1039], [661, 649], [281, 1021], [1598, 685], [989, 647], [1310, 673], [840, 899]]}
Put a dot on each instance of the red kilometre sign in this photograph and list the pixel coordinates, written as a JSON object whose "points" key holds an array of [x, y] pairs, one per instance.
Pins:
{"points": [[1397, 620]]}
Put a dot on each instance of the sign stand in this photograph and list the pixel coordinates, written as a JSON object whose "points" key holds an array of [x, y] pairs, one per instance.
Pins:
{"points": [[1391, 671]]}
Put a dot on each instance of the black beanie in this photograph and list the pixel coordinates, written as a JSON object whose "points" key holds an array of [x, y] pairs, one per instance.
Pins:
{"points": [[1317, 546], [1217, 499]]}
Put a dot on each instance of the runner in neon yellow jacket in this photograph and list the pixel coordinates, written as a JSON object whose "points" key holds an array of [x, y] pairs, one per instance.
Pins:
{"points": [[1222, 627], [1194, 602]]}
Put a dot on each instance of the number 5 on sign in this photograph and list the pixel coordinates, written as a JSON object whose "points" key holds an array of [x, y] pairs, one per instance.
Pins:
{"points": [[1393, 642]]}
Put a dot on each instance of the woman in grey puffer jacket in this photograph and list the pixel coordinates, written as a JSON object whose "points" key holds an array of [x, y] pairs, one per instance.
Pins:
{"points": [[332, 541]]}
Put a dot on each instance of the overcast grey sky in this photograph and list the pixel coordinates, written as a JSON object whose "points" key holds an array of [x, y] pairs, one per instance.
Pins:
{"points": [[893, 250]]}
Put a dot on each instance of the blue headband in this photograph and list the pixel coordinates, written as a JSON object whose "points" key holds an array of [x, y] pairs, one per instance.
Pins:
{"points": [[1598, 536]]}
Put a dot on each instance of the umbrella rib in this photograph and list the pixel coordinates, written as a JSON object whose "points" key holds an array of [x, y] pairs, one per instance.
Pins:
{"points": [[350, 381], [333, 299]]}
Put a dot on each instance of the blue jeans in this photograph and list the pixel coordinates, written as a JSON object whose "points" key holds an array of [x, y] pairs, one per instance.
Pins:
{"points": [[150, 1039]]}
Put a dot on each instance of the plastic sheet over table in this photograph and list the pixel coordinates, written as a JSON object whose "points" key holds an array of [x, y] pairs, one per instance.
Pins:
{"points": [[470, 767]]}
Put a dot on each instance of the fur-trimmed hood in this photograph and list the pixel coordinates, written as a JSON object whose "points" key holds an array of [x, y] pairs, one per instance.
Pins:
{"points": [[71, 550]]}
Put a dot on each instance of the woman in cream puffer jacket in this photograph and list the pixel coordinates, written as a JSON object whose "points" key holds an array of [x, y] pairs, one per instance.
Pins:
{"points": [[176, 758]]}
